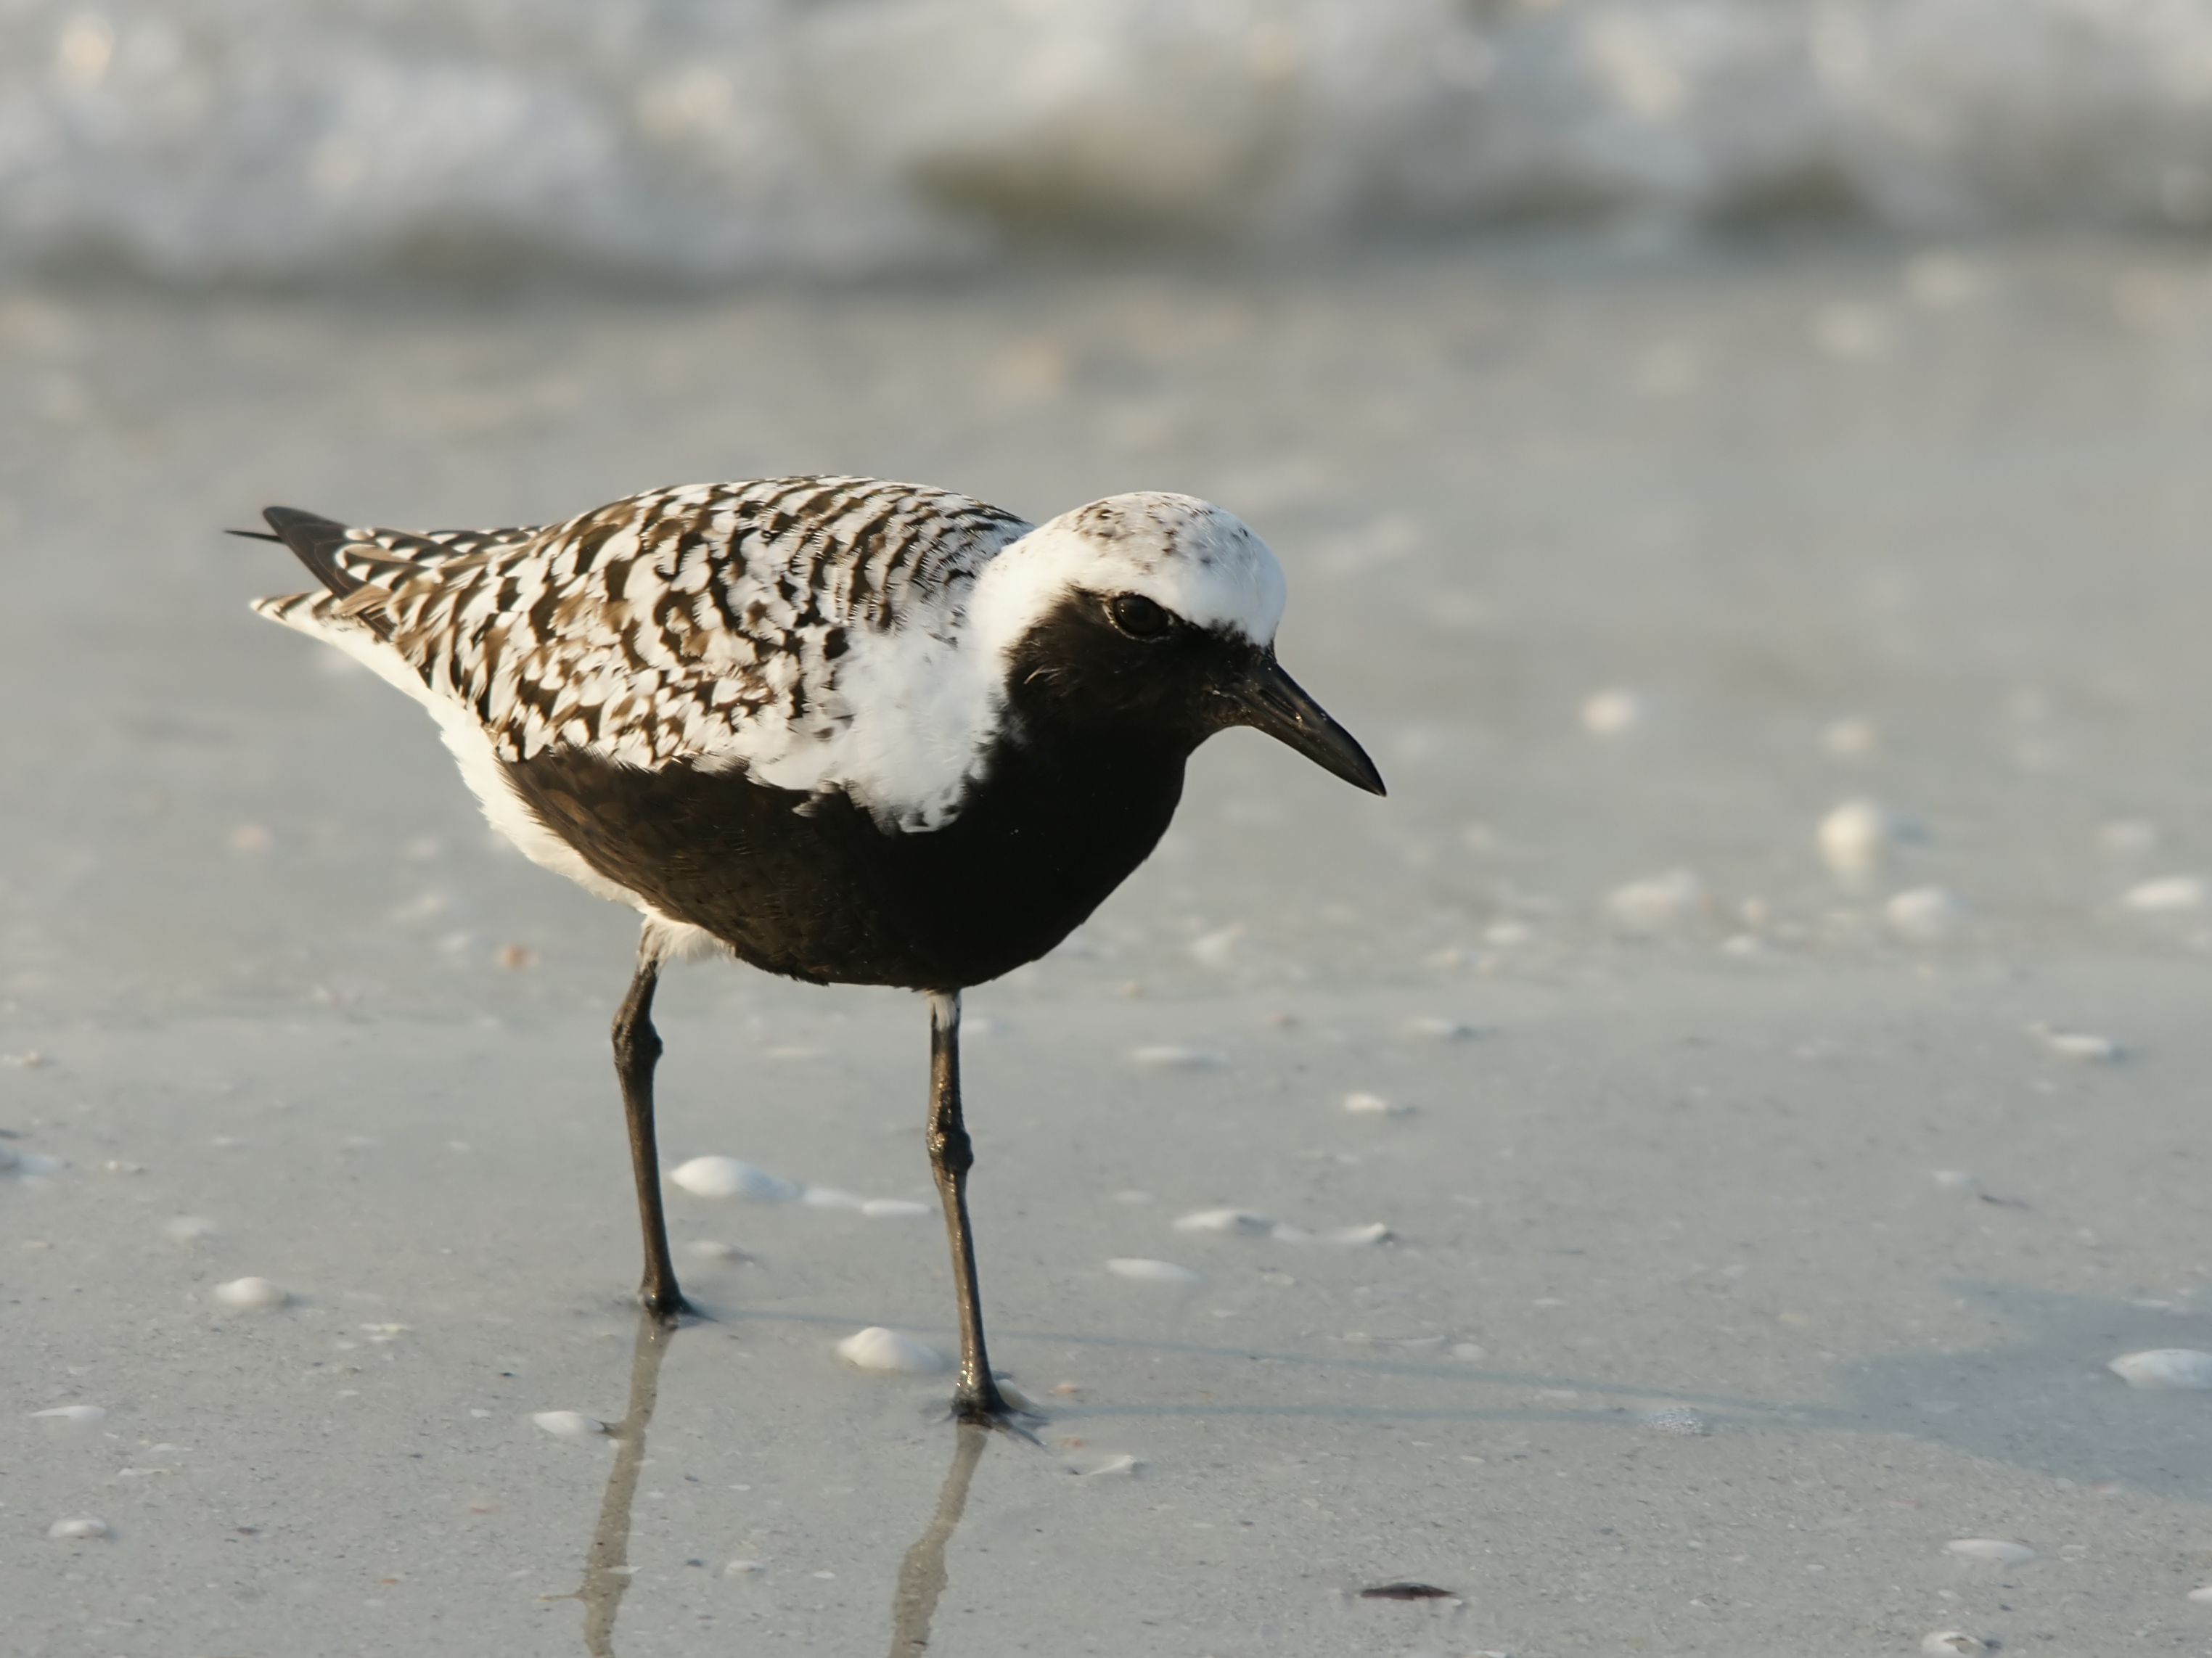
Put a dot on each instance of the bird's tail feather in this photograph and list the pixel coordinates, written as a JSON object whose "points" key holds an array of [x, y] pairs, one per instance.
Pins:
{"points": [[314, 541]]}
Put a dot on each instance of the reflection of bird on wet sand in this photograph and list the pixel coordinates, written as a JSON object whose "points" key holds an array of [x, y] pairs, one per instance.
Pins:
{"points": [[850, 731], [607, 1570], [922, 1574]]}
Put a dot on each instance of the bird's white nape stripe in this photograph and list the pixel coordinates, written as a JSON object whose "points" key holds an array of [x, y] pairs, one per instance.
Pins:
{"points": [[1188, 556]]}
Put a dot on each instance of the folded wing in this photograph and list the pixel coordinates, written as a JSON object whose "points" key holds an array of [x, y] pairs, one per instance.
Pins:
{"points": [[708, 624]]}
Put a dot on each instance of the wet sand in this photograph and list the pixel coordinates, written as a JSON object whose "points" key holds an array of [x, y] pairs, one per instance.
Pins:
{"points": [[1745, 1242]]}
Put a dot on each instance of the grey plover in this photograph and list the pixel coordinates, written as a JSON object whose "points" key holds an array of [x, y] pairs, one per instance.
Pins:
{"points": [[847, 730]]}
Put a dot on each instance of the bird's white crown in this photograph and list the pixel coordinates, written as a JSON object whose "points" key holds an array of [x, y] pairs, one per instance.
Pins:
{"points": [[1185, 555]]}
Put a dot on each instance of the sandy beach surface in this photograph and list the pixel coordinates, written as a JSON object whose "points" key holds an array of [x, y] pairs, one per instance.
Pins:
{"points": [[1664, 1177]]}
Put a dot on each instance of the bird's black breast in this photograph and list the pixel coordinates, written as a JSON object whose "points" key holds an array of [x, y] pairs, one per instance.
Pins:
{"points": [[813, 889]]}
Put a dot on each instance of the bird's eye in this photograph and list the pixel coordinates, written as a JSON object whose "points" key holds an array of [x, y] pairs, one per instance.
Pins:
{"points": [[1139, 617]]}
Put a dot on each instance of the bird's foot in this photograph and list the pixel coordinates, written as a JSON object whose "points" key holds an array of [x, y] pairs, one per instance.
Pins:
{"points": [[988, 1407], [667, 1307]]}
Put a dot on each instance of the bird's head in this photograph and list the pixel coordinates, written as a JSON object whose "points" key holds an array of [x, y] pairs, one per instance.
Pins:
{"points": [[1154, 612]]}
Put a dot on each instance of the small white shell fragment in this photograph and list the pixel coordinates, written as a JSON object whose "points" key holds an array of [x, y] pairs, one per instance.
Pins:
{"points": [[1612, 713], [877, 1348], [1924, 916], [1951, 1642], [1168, 1056], [1014, 1396], [1437, 1028], [743, 1568], [1218, 950], [1677, 1420], [2165, 895], [708, 1249], [78, 1528], [1152, 1272], [728, 1177], [1375, 1233], [569, 1425], [2127, 834], [1857, 836], [74, 1413], [1374, 1105], [1226, 1220], [2173, 1368], [187, 1229], [829, 1197], [1127, 1465], [1656, 904], [896, 1209], [250, 1295], [1849, 738], [2083, 1045], [1996, 1550], [2202, 1597]]}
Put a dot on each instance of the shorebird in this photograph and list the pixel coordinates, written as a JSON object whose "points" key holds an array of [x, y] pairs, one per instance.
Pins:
{"points": [[847, 730]]}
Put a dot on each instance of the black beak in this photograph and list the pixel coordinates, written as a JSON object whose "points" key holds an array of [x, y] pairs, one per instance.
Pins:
{"points": [[1267, 698]]}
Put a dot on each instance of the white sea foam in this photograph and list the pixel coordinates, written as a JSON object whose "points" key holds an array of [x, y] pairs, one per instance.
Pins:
{"points": [[200, 141]]}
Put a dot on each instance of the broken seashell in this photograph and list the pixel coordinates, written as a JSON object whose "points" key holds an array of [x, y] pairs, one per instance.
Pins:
{"points": [[1995, 1550], [2165, 1367], [569, 1425], [877, 1348], [250, 1295], [728, 1177]]}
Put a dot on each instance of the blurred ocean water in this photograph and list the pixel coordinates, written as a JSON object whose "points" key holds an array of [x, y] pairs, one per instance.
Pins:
{"points": [[695, 140]]}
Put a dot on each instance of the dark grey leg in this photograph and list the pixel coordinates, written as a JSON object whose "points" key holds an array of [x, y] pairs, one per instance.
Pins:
{"points": [[976, 1399], [637, 1050]]}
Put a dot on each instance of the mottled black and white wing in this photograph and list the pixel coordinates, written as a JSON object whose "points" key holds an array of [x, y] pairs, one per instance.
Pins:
{"points": [[722, 625]]}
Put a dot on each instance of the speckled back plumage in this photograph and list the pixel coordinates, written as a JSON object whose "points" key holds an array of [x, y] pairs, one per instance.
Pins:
{"points": [[711, 622]]}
